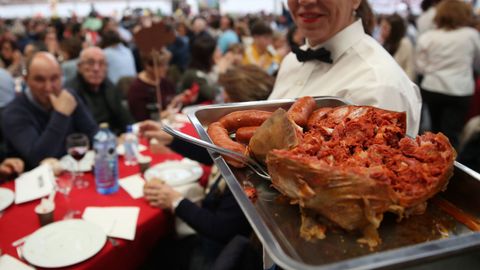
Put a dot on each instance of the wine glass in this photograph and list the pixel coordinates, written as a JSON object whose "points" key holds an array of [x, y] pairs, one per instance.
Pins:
{"points": [[77, 146], [64, 184]]}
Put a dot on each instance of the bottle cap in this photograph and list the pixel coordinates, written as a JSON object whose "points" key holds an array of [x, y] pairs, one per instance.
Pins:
{"points": [[104, 125], [129, 128]]}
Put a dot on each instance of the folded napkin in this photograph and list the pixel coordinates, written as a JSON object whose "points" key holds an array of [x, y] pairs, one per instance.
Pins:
{"points": [[34, 184], [8, 262], [133, 185], [119, 222]]}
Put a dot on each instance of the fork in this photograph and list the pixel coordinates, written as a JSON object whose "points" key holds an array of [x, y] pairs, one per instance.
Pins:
{"points": [[251, 163]]}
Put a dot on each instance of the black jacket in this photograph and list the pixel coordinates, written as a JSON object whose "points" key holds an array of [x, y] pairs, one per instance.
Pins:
{"points": [[104, 104]]}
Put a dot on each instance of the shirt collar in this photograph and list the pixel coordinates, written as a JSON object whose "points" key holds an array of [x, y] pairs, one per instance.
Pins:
{"points": [[32, 99], [343, 40]]}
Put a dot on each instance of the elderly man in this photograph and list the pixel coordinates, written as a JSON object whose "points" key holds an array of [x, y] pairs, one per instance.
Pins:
{"points": [[36, 123], [340, 60], [98, 93]]}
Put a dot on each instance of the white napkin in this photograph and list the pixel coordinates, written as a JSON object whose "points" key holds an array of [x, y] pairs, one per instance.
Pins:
{"points": [[34, 184], [68, 163], [120, 222], [133, 185], [8, 262]]}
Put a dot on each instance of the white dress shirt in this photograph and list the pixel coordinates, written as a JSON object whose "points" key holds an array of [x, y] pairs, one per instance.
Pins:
{"points": [[362, 72], [446, 60]]}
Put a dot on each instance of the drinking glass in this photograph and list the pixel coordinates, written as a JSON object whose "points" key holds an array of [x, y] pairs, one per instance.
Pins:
{"points": [[77, 146], [64, 184]]}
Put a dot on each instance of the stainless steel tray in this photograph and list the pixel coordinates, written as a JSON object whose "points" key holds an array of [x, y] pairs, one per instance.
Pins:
{"points": [[430, 236]]}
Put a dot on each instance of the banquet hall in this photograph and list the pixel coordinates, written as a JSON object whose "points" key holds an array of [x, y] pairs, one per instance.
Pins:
{"points": [[239, 134]]}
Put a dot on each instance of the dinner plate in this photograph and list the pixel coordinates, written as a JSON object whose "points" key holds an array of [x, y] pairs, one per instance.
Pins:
{"points": [[175, 173], [6, 198], [85, 165], [64, 243]]}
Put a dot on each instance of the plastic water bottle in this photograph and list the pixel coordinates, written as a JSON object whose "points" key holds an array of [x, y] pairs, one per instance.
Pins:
{"points": [[131, 147], [106, 161]]}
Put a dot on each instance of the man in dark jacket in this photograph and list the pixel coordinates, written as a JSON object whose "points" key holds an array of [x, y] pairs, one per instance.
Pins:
{"points": [[99, 94], [36, 123]]}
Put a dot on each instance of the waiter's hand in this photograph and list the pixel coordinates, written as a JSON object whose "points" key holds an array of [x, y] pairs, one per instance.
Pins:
{"points": [[159, 194]]}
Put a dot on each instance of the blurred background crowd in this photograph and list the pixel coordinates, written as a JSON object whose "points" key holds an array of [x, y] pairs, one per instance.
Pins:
{"points": [[215, 56]]}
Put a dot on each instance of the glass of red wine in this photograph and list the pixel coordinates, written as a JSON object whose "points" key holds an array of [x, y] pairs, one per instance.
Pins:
{"points": [[77, 146]]}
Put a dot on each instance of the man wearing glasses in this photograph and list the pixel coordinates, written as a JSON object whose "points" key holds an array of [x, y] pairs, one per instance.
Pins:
{"points": [[99, 94]]}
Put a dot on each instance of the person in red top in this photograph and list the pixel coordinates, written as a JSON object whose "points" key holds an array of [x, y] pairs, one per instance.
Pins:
{"points": [[142, 94]]}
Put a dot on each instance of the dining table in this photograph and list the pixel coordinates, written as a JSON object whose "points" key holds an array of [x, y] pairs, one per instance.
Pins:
{"points": [[153, 224]]}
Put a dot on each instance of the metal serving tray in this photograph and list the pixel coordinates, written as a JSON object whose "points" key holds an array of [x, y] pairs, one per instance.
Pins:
{"points": [[430, 236]]}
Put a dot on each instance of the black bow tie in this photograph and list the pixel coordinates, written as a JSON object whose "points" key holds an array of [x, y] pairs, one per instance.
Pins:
{"points": [[321, 54]]}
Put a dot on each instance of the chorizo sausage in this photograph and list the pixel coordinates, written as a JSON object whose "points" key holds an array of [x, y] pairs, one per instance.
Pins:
{"points": [[301, 110], [244, 134], [220, 137], [246, 118]]}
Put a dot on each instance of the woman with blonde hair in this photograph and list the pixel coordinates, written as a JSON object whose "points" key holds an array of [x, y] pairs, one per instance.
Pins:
{"points": [[446, 56]]}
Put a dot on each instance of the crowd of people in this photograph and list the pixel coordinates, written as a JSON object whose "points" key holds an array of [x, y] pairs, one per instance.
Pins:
{"points": [[64, 75]]}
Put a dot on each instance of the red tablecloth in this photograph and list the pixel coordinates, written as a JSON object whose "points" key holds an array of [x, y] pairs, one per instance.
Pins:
{"points": [[153, 223]]}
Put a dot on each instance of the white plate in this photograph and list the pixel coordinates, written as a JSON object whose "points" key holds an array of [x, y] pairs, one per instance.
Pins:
{"points": [[68, 163], [175, 173], [64, 243], [6, 198]]}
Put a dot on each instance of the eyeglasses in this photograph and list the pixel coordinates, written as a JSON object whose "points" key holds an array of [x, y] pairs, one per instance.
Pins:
{"points": [[93, 62]]}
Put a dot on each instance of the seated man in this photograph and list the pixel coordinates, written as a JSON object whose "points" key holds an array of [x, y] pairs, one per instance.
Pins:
{"points": [[99, 94], [36, 123]]}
